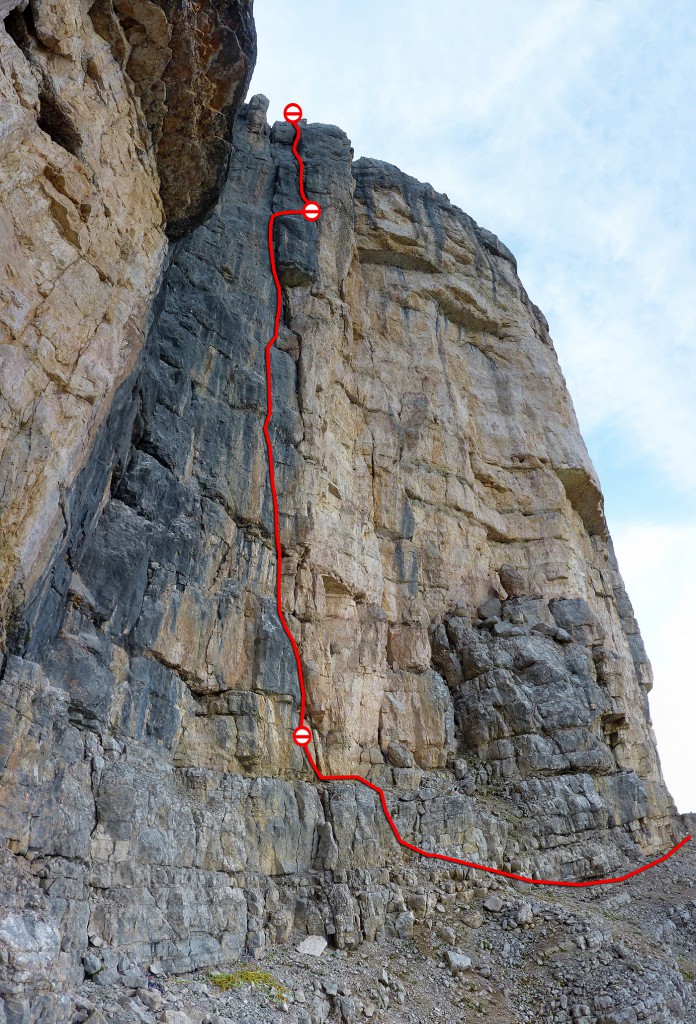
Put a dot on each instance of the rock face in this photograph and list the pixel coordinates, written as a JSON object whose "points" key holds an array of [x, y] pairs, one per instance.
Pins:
{"points": [[81, 229], [81, 247], [190, 62], [466, 637]]}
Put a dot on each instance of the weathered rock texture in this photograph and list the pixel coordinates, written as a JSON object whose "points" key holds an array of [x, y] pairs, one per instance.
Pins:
{"points": [[81, 245], [464, 629], [190, 62], [81, 229]]}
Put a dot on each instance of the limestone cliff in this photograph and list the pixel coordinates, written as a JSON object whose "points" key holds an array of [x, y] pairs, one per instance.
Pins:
{"points": [[466, 637], [86, 129]]}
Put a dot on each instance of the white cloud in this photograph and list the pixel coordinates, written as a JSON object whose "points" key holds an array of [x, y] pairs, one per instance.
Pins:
{"points": [[658, 564]]}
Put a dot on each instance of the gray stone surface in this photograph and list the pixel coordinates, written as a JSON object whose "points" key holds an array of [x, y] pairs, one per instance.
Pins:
{"points": [[153, 802], [313, 945], [457, 960]]}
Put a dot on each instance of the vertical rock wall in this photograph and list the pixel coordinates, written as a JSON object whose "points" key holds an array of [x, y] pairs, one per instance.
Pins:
{"points": [[465, 633], [81, 248], [96, 105], [93, 109]]}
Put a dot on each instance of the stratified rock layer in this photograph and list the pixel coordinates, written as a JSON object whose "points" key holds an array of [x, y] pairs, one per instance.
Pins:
{"points": [[466, 637]]}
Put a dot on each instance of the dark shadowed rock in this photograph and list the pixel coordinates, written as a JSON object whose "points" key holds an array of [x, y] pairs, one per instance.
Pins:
{"points": [[191, 62]]}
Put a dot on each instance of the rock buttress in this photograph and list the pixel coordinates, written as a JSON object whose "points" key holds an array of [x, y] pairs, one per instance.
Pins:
{"points": [[466, 638]]}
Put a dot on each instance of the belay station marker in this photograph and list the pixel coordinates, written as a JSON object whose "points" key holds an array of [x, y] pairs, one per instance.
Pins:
{"points": [[311, 211], [292, 113], [302, 736]]}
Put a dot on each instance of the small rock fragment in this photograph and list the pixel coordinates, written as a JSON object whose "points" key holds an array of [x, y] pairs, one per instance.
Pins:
{"points": [[105, 977], [525, 914], [457, 961], [175, 1017], [506, 629], [150, 997], [91, 963], [399, 756], [347, 1008], [132, 979], [489, 608], [513, 580], [96, 1018], [447, 934], [313, 945], [493, 903]]}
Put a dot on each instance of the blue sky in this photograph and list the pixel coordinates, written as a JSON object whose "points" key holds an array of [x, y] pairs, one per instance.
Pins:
{"points": [[567, 127]]}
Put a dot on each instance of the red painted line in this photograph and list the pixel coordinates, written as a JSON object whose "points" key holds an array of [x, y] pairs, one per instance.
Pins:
{"points": [[271, 465], [298, 661], [300, 164]]}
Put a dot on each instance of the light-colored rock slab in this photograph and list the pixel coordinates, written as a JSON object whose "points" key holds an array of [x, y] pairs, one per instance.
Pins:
{"points": [[313, 945]]}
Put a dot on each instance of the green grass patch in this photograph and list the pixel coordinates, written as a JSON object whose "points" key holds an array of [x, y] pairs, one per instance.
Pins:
{"points": [[249, 976]]}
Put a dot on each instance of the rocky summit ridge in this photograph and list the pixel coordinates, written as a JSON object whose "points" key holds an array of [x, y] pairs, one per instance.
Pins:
{"points": [[467, 641]]}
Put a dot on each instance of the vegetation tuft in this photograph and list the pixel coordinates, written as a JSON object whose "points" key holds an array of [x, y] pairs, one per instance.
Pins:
{"points": [[249, 976]]}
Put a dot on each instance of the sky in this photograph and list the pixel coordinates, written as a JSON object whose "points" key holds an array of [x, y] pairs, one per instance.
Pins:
{"points": [[568, 128]]}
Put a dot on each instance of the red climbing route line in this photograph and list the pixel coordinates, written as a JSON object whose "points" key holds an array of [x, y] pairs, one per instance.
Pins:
{"points": [[271, 465], [302, 735], [472, 864], [300, 163]]}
